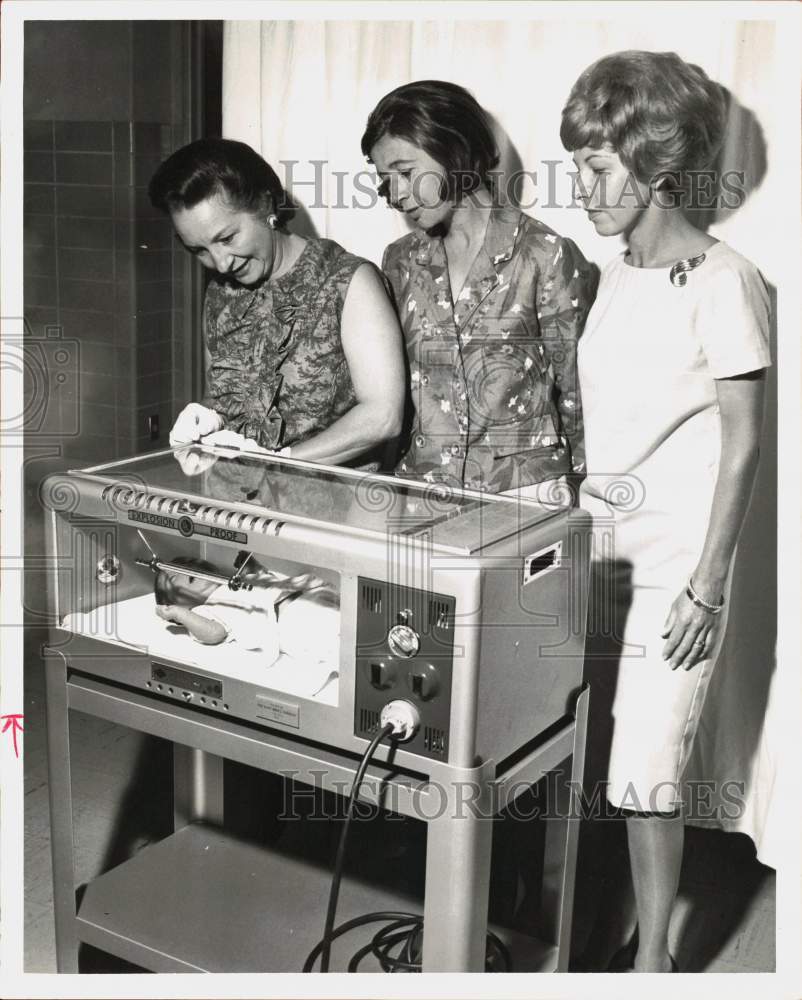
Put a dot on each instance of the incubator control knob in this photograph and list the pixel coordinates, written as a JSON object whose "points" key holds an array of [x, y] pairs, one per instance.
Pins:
{"points": [[108, 569], [382, 674], [403, 641], [424, 682]]}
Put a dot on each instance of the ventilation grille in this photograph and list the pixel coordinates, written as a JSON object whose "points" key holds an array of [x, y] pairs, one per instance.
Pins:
{"points": [[125, 498], [438, 614], [372, 598], [368, 721], [434, 740]]}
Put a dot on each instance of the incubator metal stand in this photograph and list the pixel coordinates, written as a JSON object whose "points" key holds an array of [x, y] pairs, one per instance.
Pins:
{"points": [[468, 608]]}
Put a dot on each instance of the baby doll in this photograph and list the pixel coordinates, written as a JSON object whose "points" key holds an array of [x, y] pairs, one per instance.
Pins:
{"points": [[296, 615]]}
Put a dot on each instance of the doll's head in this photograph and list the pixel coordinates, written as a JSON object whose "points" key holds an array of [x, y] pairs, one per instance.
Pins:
{"points": [[185, 590]]}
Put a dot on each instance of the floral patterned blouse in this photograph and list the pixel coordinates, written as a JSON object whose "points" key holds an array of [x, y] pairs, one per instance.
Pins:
{"points": [[495, 397], [278, 373]]}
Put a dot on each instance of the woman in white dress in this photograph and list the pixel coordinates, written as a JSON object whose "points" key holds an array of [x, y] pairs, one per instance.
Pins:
{"points": [[671, 369]]}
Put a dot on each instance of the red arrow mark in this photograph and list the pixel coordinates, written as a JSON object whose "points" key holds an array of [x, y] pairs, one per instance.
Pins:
{"points": [[14, 723]]}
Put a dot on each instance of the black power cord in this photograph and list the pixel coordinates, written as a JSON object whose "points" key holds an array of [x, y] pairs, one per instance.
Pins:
{"points": [[404, 930], [334, 891]]}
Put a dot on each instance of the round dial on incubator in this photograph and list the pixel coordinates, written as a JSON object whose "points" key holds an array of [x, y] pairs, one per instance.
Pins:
{"points": [[108, 569], [403, 641]]}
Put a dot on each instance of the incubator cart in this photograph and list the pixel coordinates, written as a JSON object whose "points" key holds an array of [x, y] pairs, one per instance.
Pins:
{"points": [[465, 608]]}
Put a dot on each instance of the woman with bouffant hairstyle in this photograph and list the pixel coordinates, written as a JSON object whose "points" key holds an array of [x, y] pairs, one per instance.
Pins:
{"points": [[671, 372], [664, 117]]}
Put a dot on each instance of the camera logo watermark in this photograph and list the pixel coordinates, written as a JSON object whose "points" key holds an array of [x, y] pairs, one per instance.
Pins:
{"points": [[49, 367]]}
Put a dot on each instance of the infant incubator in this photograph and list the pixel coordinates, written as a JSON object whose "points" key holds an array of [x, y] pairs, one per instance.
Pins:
{"points": [[466, 610]]}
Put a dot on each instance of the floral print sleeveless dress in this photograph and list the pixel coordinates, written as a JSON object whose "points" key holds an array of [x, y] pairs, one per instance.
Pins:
{"points": [[278, 373]]}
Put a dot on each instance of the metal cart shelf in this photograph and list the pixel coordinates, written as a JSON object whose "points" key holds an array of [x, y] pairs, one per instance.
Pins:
{"points": [[218, 895]]}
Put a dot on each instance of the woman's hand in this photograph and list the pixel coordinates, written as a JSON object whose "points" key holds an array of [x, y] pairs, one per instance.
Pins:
{"points": [[194, 422], [193, 461], [740, 401], [235, 441], [690, 633]]}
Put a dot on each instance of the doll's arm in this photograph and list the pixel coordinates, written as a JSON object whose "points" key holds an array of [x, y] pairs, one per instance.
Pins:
{"points": [[202, 629]]}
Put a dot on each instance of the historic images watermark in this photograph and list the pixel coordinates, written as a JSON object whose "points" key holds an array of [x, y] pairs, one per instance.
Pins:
{"points": [[703, 801], [46, 366], [553, 185]]}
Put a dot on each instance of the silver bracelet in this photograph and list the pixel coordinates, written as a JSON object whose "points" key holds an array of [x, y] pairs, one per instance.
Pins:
{"points": [[712, 609]]}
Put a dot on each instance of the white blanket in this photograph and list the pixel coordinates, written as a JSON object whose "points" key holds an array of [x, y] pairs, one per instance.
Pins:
{"points": [[134, 622]]}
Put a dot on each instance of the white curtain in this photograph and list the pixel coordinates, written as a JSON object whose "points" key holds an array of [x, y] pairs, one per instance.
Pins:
{"points": [[300, 93]]}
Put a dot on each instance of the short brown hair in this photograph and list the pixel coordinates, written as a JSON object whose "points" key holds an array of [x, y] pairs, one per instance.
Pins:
{"points": [[445, 121], [209, 167]]}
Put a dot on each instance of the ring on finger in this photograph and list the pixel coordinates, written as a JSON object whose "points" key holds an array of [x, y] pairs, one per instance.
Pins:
{"points": [[699, 642]]}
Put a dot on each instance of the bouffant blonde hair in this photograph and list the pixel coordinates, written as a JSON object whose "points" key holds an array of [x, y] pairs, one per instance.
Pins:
{"points": [[664, 117]]}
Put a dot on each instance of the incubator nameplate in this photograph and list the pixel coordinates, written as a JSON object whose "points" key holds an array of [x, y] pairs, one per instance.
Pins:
{"points": [[284, 712], [186, 526], [154, 520]]}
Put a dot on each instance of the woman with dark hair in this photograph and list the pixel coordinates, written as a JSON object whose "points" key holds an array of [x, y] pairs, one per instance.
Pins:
{"points": [[302, 348], [671, 369], [491, 302]]}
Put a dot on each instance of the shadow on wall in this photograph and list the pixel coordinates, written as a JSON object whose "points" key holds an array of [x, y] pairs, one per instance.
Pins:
{"points": [[738, 170], [731, 725], [510, 185], [300, 221], [510, 165], [732, 720]]}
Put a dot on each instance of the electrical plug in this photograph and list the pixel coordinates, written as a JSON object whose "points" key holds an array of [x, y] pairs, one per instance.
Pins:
{"points": [[403, 717]]}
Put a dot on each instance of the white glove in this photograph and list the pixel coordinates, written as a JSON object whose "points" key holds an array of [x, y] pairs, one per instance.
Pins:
{"points": [[231, 439], [193, 461], [194, 422]]}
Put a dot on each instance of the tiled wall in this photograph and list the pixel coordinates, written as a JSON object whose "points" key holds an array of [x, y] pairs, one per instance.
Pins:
{"points": [[102, 274], [103, 101]]}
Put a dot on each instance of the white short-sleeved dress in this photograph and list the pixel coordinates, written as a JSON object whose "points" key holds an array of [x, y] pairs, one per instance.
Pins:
{"points": [[648, 361]]}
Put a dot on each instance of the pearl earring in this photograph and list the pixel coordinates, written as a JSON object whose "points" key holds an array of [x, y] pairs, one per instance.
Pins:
{"points": [[272, 221]]}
